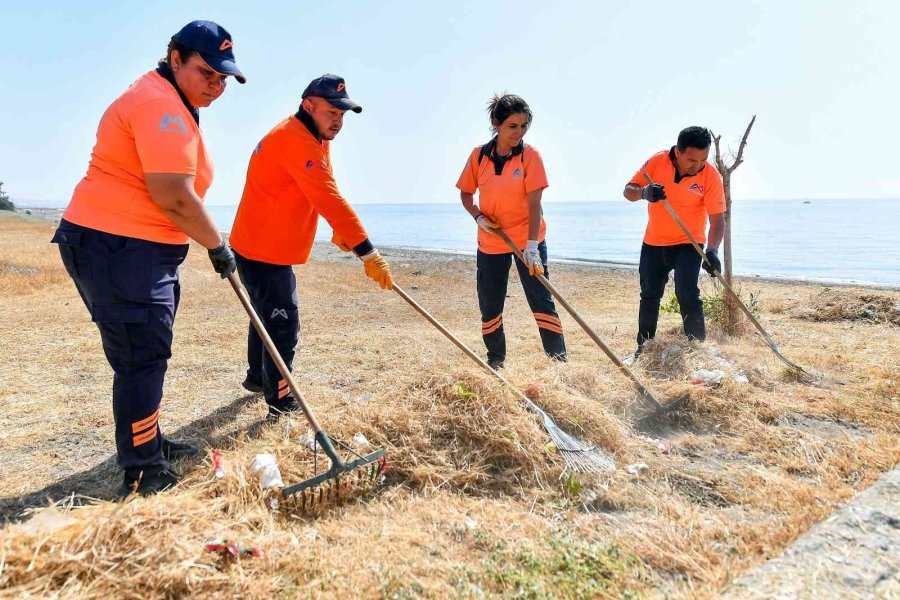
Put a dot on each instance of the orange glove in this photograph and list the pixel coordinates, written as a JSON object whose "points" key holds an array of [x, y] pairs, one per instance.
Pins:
{"points": [[377, 270], [339, 242]]}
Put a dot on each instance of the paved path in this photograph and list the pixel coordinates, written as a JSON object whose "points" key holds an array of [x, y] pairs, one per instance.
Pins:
{"points": [[854, 553]]}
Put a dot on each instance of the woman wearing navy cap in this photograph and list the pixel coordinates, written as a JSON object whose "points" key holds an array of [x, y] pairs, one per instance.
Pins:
{"points": [[126, 231]]}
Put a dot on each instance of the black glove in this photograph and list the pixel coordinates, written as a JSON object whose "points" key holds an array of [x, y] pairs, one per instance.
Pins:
{"points": [[653, 192], [712, 262], [222, 260]]}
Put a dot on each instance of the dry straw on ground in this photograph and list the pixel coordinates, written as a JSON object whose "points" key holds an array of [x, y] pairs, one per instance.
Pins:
{"points": [[476, 502]]}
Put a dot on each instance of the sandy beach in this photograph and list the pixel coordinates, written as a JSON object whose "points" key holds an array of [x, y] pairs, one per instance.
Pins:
{"points": [[476, 502]]}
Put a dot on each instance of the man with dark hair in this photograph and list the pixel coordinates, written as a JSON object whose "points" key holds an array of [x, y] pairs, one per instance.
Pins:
{"points": [[290, 184], [692, 186]]}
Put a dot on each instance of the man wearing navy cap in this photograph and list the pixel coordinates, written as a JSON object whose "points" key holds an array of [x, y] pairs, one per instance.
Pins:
{"points": [[289, 184]]}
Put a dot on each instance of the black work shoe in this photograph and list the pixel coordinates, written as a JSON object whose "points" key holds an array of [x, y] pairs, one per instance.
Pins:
{"points": [[495, 364], [146, 483], [276, 411], [252, 385], [174, 450]]}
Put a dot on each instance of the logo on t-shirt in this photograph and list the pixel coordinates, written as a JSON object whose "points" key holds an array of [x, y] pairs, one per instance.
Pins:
{"points": [[309, 164], [172, 124], [517, 173], [696, 188], [258, 146]]}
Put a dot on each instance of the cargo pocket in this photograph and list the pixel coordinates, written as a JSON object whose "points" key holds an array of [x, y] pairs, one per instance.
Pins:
{"points": [[68, 241], [131, 271], [117, 324]]}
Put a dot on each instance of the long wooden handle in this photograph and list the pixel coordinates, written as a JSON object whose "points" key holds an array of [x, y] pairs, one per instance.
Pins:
{"points": [[587, 328], [273, 351], [718, 276], [421, 310]]}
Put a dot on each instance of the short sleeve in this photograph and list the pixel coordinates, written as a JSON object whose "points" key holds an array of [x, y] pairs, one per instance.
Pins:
{"points": [[638, 179], [535, 175], [165, 142], [714, 194], [468, 179]]}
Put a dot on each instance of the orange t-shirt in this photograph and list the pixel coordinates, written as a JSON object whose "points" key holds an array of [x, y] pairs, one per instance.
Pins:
{"points": [[289, 184], [692, 198], [504, 197], [148, 129]]}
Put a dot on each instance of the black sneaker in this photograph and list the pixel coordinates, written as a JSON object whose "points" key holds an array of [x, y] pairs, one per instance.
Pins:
{"points": [[146, 483], [495, 364], [173, 450], [276, 411], [252, 385]]}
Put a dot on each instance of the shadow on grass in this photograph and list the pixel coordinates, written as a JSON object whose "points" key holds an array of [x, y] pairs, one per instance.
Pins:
{"points": [[101, 481]]}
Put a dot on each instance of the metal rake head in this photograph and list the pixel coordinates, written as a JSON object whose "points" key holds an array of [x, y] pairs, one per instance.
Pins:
{"points": [[580, 456], [339, 484]]}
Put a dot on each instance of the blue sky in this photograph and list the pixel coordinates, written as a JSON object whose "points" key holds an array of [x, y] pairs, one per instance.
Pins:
{"points": [[609, 84]]}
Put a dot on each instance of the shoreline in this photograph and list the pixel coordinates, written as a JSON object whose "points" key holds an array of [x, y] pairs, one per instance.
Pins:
{"points": [[54, 214]]}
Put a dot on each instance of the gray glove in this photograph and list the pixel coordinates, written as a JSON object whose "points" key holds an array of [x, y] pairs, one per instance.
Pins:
{"points": [[653, 192], [222, 259]]}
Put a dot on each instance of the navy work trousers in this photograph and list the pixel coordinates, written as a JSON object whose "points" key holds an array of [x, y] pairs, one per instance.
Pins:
{"points": [[656, 264], [273, 293], [130, 287], [493, 278]]}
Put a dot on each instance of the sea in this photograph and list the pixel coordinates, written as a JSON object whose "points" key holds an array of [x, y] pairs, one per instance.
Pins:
{"points": [[830, 241]]}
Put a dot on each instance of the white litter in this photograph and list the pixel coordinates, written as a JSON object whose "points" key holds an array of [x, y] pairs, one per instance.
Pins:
{"points": [[47, 521], [364, 398], [266, 470], [360, 441], [708, 376], [308, 439], [636, 469]]}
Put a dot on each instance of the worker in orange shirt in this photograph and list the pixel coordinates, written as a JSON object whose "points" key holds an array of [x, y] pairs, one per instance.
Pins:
{"points": [[692, 186], [510, 179], [289, 184], [126, 230]]}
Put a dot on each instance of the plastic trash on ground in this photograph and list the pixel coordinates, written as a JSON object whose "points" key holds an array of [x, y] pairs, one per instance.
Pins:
{"points": [[266, 470], [308, 439], [360, 442], [707, 376], [218, 465], [636, 469]]}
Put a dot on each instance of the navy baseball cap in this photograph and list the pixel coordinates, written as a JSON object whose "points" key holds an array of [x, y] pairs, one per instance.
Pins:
{"points": [[214, 45], [332, 88]]}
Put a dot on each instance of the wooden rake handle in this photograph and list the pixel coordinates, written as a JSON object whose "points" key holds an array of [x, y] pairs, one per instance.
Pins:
{"points": [[456, 341], [273, 351], [769, 339], [587, 328]]}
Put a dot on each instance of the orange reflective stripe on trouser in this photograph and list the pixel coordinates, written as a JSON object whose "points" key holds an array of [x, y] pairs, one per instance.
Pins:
{"points": [[283, 389], [488, 327], [146, 436], [548, 322], [145, 423]]}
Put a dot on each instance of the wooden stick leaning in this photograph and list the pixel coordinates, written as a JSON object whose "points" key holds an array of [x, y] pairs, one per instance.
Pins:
{"points": [[578, 455], [794, 366], [644, 390]]}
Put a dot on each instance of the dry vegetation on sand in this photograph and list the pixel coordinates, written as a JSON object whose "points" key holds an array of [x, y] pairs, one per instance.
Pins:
{"points": [[476, 502]]}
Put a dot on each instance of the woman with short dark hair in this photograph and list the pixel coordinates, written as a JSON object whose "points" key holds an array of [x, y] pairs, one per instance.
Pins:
{"points": [[126, 231], [510, 179]]}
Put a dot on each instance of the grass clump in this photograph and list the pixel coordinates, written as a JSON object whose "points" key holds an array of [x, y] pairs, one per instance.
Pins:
{"points": [[565, 568]]}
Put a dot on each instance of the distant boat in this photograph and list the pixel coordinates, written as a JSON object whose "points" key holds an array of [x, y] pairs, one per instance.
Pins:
{"points": [[807, 201]]}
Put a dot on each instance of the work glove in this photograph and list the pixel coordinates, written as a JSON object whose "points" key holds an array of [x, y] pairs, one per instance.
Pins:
{"points": [[653, 192], [712, 262], [339, 242], [487, 223], [533, 258], [377, 270], [222, 260]]}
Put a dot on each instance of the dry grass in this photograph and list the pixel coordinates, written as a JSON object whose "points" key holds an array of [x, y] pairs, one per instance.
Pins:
{"points": [[840, 305], [475, 503]]}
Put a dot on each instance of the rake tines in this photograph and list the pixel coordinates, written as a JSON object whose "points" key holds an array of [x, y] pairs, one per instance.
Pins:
{"points": [[355, 477]]}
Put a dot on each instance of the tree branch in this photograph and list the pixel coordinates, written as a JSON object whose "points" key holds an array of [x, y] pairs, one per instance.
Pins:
{"points": [[740, 155], [720, 165]]}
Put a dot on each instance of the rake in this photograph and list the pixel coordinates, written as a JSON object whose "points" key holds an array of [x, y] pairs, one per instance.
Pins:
{"points": [[331, 485], [579, 456], [794, 367], [660, 409]]}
